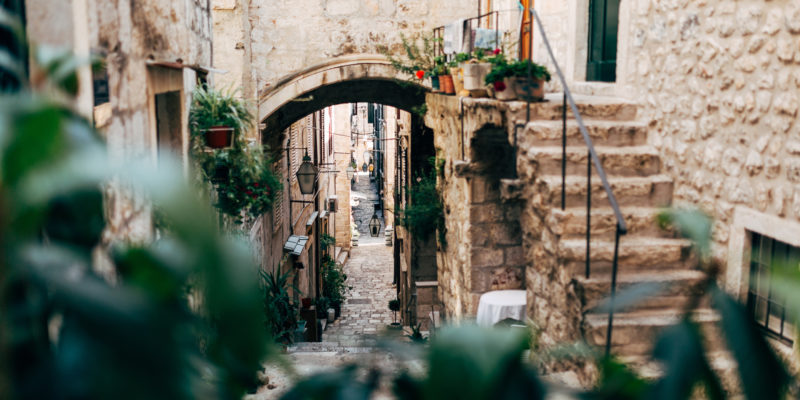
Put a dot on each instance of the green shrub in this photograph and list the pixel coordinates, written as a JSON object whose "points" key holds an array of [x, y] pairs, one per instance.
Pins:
{"points": [[280, 312], [334, 286], [425, 212]]}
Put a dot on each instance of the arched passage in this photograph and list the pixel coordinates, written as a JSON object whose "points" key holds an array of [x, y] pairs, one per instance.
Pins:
{"points": [[364, 78], [299, 98]]}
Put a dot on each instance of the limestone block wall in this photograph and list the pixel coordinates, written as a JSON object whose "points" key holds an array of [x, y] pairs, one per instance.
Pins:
{"points": [[484, 237], [718, 82], [127, 37], [342, 149]]}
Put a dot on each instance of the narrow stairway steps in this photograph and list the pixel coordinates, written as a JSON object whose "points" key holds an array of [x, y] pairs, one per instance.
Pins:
{"points": [[602, 132], [616, 161], [635, 253], [653, 191], [571, 222]]}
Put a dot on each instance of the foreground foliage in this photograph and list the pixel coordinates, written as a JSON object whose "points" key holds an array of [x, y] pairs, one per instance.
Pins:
{"points": [[72, 328]]}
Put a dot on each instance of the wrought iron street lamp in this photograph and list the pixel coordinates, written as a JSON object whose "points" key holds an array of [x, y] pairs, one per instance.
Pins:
{"points": [[374, 225], [307, 175]]}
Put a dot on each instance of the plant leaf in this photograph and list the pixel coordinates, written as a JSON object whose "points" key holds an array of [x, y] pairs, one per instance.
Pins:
{"points": [[762, 373]]}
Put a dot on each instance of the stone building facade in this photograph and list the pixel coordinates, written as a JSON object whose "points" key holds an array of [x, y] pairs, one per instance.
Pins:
{"points": [[154, 53], [716, 83]]}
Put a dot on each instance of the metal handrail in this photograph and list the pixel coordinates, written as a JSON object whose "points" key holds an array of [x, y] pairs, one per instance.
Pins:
{"points": [[595, 159], [592, 158]]}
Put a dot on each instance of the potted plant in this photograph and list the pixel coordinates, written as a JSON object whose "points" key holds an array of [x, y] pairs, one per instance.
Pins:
{"points": [[475, 70], [417, 62], [510, 80], [333, 284], [394, 306], [218, 116], [322, 303], [243, 176], [306, 302]]}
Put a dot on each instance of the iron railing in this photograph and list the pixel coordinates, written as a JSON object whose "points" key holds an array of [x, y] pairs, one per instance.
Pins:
{"points": [[592, 158], [438, 32]]}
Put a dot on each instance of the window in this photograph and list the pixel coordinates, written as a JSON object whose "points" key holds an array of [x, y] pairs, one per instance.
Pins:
{"points": [[768, 309]]}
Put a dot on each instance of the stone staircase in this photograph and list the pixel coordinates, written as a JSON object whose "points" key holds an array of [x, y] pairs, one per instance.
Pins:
{"points": [[647, 254]]}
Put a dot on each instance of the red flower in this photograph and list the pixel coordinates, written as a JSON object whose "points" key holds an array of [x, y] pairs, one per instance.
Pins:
{"points": [[497, 51], [420, 74], [249, 192], [255, 184], [499, 86]]}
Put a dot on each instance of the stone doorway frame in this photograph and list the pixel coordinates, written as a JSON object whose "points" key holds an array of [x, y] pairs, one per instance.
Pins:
{"points": [[577, 43]]}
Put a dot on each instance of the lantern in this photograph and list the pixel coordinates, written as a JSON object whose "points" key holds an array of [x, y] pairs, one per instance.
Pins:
{"points": [[306, 175], [350, 172], [374, 226]]}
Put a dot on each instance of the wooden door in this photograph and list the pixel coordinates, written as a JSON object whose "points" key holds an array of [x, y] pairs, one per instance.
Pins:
{"points": [[525, 31], [603, 28]]}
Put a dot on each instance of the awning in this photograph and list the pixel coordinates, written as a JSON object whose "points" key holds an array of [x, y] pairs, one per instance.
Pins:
{"points": [[296, 244], [312, 218], [323, 214]]}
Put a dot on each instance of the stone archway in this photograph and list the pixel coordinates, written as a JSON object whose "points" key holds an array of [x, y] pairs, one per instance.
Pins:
{"points": [[363, 78]]}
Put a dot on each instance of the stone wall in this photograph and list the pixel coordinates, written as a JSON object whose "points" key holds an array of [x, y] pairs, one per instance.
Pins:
{"points": [[130, 38], [342, 150], [484, 249], [718, 83]]}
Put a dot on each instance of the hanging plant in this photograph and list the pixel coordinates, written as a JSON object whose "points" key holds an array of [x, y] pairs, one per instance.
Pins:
{"points": [[243, 176], [218, 116]]}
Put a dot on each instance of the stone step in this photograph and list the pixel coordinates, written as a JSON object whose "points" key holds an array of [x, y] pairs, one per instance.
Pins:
{"points": [[653, 191], [635, 254], [635, 333], [677, 287], [327, 346], [602, 133], [616, 161], [590, 107], [571, 222]]}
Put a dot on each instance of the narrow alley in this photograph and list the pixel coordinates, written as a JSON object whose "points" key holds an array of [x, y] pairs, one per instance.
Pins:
{"points": [[365, 317]]}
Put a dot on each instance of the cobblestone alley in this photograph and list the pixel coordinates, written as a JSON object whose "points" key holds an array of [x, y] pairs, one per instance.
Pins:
{"points": [[365, 314]]}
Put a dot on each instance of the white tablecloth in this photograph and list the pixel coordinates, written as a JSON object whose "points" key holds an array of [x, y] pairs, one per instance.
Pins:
{"points": [[501, 304]]}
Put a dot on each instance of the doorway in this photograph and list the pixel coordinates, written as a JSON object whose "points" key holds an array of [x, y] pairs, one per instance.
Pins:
{"points": [[603, 31]]}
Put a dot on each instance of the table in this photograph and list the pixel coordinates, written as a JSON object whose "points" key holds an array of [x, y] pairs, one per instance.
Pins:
{"points": [[501, 304]]}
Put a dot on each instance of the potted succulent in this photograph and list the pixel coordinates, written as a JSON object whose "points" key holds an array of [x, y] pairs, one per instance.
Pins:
{"points": [[218, 116], [394, 306], [510, 80]]}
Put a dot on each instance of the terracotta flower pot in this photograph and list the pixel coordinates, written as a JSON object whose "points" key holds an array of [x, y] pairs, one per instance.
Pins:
{"points": [[446, 84], [218, 137], [533, 88]]}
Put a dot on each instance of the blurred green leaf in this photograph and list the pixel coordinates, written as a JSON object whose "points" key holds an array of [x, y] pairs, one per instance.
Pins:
{"points": [[12, 66], [763, 375], [617, 381], [680, 349], [37, 139], [475, 363], [692, 224], [343, 383]]}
